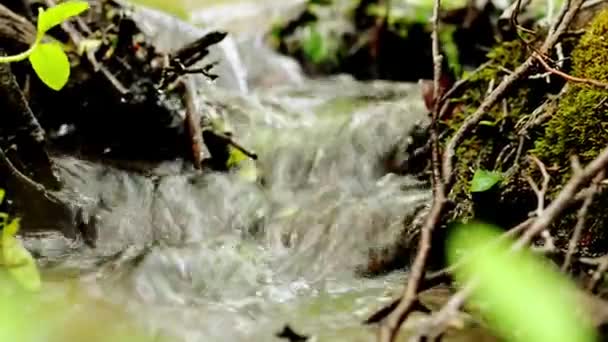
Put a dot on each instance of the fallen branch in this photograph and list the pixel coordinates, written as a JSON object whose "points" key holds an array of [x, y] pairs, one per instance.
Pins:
{"points": [[581, 218], [15, 27], [574, 79], [602, 267], [389, 328], [77, 38], [192, 124], [567, 196], [21, 121], [569, 8]]}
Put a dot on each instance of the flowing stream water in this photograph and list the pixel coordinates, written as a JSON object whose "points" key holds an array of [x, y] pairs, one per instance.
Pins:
{"points": [[217, 257]]}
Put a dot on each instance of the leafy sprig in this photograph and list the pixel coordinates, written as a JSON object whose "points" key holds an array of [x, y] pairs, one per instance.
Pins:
{"points": [[48, 60]]}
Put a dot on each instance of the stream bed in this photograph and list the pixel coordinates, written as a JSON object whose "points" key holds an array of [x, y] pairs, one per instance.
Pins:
{"points": [[220, 257]]}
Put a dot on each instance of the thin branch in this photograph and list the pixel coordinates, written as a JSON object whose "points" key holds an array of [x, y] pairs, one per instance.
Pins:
{"points": [[77, 38], [22, 178], [581, 218], [446, 272], [437, 323], [574, 79], [579, 179], [602, 267], [15, 27], [192, 124], [389, 329], [540, 192], [471, 121]]}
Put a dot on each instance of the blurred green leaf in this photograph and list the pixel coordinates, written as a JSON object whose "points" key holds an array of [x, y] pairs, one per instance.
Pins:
{"points": [[17, 260], [47, 19], [483, 180], [314, 45], [487, 123], [51, 65], [523, 297], [446, 38]]}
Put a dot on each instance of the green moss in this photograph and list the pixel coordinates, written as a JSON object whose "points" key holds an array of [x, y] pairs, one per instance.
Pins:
{"points": [[482, 148], [580, 125]]}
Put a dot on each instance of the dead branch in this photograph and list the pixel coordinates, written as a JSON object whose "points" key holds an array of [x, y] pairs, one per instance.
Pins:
{"points": [[570, 8], [566, 197], [570, 78], [540, 192], [192, 125], [31, 138], [18, 175], [602, 267], [514, 8], [435, 326], [581, 218], [15, 27], [389, 329], [77, 38]]}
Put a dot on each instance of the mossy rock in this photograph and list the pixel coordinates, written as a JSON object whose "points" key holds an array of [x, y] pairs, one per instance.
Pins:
{"points": [[580, 125], [580, 128], [487, 146]]}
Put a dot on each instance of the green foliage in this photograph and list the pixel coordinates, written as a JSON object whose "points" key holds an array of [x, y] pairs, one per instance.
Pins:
{"points": [[446, 39], [51, 64], [17, 260], [484, 180], [64, 312], [314, 45], [48, 60], [480, 149], [581, 122], [522, 297], [58, 14], [177, 8], [14, 258]]}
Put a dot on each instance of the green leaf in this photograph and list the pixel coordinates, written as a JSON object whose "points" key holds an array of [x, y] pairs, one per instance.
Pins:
{"points": [[487, 123], [483, 180], [58, 14], [19, 262], [51, 65], [314, 46], [521, 296], [3, 220], [2, 194], [236, 156]]}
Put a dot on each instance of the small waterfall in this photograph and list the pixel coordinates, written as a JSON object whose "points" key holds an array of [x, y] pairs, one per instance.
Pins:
{"points": [[215, 257]]}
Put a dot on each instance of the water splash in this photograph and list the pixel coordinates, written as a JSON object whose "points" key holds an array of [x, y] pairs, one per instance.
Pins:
{"points": [[212, 257]]}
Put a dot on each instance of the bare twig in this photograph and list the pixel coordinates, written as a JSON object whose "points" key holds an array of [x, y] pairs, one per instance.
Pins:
{"points": [[16, 27], [513, 8], [437, 323], [548, 245], [581, 217], [192, 123], [587, 81], [570, 8], [540, 192], [22, 178], [77, 38], [389, 328], [541, 223], [602, 267], [446, 272], [230, 141], [579, 179]]}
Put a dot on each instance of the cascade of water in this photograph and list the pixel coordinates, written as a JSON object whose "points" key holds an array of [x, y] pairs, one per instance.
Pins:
{"points": [[214, 257]]}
